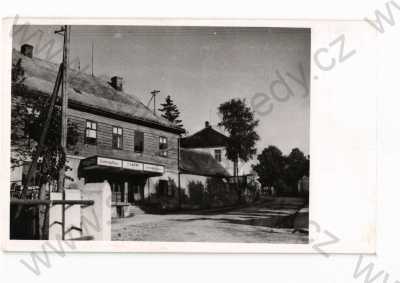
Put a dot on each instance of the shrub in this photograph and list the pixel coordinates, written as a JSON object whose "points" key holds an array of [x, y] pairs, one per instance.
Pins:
{"points": [[196, 192]]}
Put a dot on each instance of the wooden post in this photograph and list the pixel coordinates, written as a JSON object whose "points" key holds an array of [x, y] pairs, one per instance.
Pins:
{"points": [[64, 93], [39, 149], [64, 122]]}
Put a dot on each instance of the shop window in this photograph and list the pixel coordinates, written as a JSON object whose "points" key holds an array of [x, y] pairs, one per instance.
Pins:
{"points": [[139, 141], [117, 138], [163, 146], [91, 132], [217, 155]]}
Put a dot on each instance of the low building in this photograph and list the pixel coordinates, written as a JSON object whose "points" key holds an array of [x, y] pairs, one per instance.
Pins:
{"points": [[211, 141]]}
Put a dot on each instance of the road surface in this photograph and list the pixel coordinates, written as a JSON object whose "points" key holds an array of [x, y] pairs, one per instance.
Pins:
{"points": [[247, 225]]}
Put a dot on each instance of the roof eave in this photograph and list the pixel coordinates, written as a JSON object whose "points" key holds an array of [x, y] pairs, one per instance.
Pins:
{"points": [[80, 106]]}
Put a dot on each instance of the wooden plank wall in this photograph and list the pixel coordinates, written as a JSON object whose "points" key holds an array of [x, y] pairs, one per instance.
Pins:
{"points": [[104, 140]]}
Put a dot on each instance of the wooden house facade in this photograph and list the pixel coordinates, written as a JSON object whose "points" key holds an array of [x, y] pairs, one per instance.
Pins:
{"points": [[120, 140]]}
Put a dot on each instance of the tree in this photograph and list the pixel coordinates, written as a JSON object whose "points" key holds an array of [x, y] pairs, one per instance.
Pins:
{"points": [[170, 112], [296, 166], [280, 171], [28, 115], [270, 166], [238, 120]]}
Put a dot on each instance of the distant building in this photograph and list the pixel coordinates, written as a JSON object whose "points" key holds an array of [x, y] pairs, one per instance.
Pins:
{"points": [[212, 141]]}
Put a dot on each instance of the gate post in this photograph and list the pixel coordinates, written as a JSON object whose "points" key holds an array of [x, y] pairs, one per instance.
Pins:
{"points": [[96, 219], [72, 216]]}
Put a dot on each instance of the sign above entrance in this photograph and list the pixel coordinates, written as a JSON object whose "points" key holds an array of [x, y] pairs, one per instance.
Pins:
{"points": [[94, 161], [154, 168], [109, 162], [132, 165]]}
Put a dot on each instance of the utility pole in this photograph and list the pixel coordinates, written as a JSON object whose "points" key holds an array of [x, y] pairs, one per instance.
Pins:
{"points": [[153, 96], [64, 95], [92, 57], [64, 122]]}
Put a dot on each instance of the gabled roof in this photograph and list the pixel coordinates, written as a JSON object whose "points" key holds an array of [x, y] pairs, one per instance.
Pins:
{"points": [[196, 162], [205, 138], [89, 92]]}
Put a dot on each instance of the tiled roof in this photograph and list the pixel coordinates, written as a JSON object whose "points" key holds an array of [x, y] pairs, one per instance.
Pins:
{"points": [[200, 163], [89, 91]]}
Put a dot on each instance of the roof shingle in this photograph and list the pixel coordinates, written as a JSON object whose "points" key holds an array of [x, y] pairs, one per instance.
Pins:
{"points": [[200, 163]]}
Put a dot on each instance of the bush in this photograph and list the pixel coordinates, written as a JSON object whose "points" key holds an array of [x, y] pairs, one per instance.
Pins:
{"points": [[284, 190], [219, 192], [196, 192]]}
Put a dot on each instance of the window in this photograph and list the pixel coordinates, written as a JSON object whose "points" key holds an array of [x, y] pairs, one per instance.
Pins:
{"points": [[117, 138], [139, 141], [117, 191], [217, 155], [163, 146], [91, 132]]}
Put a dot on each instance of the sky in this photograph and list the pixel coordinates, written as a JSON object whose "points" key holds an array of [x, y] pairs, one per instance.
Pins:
{"points": [[200, 67]]}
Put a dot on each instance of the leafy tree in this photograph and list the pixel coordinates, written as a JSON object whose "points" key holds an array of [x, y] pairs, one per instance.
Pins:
{"points": [[297, 166], [270, 166], [239, 121], [170, 112], [28, 115], [281, 172]]}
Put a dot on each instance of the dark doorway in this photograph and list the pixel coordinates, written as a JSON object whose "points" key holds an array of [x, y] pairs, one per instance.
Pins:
{"points": [[117, 190]]}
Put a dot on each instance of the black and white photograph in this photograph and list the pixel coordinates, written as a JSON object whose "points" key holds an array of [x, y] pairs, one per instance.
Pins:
{"points": [[160, 133], [212, 141]]}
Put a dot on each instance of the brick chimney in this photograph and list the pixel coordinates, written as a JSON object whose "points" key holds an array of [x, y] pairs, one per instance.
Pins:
{"points": [[117, 83], [27, 50]]}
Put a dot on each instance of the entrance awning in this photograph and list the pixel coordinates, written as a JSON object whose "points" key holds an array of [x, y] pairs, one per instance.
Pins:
{"points": [[114, 165]]}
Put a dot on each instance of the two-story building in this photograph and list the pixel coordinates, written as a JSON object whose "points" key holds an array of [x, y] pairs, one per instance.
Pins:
{"points": [[120, 139]]}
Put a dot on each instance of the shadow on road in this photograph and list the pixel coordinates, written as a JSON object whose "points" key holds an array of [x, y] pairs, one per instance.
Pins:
{"points": [[272, 221]]}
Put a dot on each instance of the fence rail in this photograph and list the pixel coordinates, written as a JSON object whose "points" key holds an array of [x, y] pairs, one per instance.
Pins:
{"points": [[33, 202], [27, 225]]}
